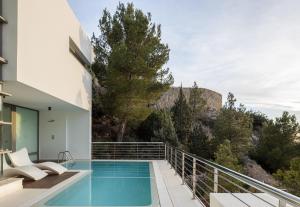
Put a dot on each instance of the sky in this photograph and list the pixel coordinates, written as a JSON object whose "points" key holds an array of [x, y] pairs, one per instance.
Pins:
{"points": [[248, 47]]}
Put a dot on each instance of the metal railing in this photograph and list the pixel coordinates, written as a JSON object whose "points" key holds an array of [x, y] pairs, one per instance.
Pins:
{"points": [[64, 156], [204, 177], [128, 150]]}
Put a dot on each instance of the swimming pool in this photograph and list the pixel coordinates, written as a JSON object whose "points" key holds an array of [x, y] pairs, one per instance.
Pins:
{"points": [[110, 184]]}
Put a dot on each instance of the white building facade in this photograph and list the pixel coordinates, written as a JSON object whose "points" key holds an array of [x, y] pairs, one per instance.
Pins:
{"points": [[46, 70]]}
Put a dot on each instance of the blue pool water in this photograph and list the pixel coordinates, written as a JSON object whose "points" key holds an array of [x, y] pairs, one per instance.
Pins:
{"points": [[110, 184]]}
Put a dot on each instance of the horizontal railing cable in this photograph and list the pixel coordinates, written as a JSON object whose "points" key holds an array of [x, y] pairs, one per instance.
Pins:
{"points": [[196, 171]]}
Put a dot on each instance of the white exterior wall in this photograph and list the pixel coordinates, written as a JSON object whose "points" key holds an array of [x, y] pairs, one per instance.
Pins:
{"points": [[78, 143], [48, 146], [61, 130], [36, 45], [42, 72]]}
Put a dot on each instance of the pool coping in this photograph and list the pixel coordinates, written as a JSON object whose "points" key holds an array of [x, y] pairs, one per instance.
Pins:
{"points": [[163, 193], [154, 171], [36, 197]]}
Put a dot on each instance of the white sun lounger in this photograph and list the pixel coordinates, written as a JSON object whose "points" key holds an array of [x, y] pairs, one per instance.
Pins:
{"points": [[21, 158], [26, 171]]}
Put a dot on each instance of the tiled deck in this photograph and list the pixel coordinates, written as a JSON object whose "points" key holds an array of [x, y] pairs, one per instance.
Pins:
{"points": [[179, 194]]}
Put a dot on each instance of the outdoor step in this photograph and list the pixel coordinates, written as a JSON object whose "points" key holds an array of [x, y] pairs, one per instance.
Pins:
{"points": [[10, 185]]}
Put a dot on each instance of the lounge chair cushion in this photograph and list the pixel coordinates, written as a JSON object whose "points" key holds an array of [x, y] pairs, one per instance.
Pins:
{"points": [[51, 166], [20, 158], [26, 171]]}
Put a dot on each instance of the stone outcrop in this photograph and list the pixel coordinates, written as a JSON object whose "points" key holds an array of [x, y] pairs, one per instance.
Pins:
{"points": [[254, 170], [212, 98]]}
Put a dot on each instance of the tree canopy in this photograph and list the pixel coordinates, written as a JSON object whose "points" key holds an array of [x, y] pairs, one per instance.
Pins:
{"points": [[277, 145], [158, 127], [234, 124], [129, 60], [225, 156], [181, 114], [290, 178], [196, 103]]}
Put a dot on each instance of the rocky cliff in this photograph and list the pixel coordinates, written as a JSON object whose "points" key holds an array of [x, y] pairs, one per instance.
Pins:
{"points": [[212, 98]]}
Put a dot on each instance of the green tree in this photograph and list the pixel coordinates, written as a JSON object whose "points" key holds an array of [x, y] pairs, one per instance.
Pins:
{"points": [[196, 103], [181, 115], [290, 178], [166, 133], [277, 145], [224, 156], [158, 127], [234, 124], [200, 143], [129, 60], [230, 104]]}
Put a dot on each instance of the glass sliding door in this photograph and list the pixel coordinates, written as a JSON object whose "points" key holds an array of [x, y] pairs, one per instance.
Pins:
{"points": [[26, 130]]}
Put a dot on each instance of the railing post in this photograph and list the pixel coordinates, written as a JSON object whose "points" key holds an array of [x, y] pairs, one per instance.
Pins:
{"points": [[175, 157], [165, 151], [114, 151], [2, 164], [216, 180], [159, 151], [137, 151], [194, 178], [171, 157], [182, 164], [282, 203]]}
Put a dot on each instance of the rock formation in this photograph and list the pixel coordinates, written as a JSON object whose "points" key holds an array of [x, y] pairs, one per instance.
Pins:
{"points": [[212, 98]]}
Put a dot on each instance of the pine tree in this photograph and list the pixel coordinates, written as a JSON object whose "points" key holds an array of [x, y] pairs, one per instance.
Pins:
{"points": [[200, 143], [129, 60], [234, 124], [230, 104], [181, 115], [278, 145], [290, 178], [225, 156], [166, 133], [196, 103], [158, 127]]}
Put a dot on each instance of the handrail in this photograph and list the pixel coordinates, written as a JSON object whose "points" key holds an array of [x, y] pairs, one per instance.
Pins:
{"points": [[128, 150], [280, 194], [66, 156]]}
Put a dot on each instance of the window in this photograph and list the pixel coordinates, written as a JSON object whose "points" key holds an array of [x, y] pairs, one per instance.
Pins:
{"points": [[74, 49]]}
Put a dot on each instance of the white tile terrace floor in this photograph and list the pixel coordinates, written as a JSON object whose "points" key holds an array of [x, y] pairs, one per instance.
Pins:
{"points": [[180, 195]]}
